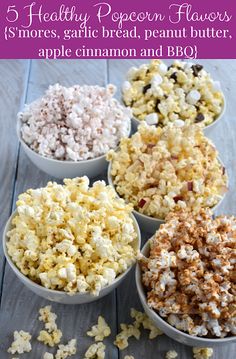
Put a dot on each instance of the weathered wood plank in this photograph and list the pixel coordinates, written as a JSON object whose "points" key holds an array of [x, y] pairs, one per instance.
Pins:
{"points": [[223, 136], [12, 91], [18, 302]]}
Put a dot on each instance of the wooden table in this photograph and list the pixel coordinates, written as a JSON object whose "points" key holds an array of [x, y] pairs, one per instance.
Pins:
{"points": [[22, 81]]}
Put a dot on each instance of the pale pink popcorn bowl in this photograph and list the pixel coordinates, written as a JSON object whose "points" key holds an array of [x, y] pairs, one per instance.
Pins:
{"points": [[64, 169], [169, 330], [62, 296]]}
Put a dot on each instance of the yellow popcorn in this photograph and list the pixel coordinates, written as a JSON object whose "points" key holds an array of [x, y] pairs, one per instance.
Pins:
{"points": [[129, 357], [181, 92], [50, 339], [95, 351], [100, 331], [146, 322], [202, 353], [21, 343], [171, 354], [127, 331], [72, 237], [65, 351], [162, 170]]}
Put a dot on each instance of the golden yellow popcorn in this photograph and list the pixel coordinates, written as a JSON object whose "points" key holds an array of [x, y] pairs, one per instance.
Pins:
{"points": [[162, 170], [100, 331], [181, 92], [127, 331], [202, 353], [95, 351], [171, 354], [72, 237], [50, 339]]}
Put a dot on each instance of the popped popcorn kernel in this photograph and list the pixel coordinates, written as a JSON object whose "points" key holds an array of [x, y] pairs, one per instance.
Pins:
{"points": [[83, 237], [195, 293], [171, 354], [74, 123], [182, 92], [100, 331], [127, 331], [65, 351], [146, 322], [48, 356], [21, 343], [50, 339], [202, 353], [163, 170], [51, 335], [129, 357], [95, 351]]}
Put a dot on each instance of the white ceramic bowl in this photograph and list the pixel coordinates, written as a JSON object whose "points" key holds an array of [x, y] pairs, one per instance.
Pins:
{"points": [[64, 169], [149, 224], [172, 332], [206, 130], [60, 296]]}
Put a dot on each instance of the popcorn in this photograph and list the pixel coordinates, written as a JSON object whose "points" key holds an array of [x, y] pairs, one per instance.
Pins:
{"points": [[52, 335], [127, 331], [75, 123], [50, 339], [186, 288], [100, 331], [162, 170], [96, 351], [202, 353], [171, 354], [82, 238], [146, 322], [21, 343], [129, 357], [48, 356], [182, 91], [65, 351]]}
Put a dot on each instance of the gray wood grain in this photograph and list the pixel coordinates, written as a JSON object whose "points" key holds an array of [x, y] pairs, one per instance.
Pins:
{"points": [[19, 308], [13, 78]]}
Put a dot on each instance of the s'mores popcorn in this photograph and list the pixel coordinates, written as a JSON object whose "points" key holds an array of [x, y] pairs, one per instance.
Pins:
{"points": [[74, 123], [72, 237], [189, 274], [161, 170], [181, 92]]}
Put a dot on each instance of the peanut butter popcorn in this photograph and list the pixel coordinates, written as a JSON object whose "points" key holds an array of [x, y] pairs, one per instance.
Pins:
{"points": [[189, 273], [202, 353], [74, 123], [181, 92], [72, 237], [100, 331], [161, 170]]}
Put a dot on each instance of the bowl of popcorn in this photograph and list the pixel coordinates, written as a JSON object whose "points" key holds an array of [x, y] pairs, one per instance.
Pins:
{"points": [[71, 243], [182, 92], [68, 131], [162, 170], [186, 278]]}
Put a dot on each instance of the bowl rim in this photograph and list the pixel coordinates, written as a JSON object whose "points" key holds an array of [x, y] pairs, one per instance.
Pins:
{"points": [[37, 286], [155, 220], [218, 118], [199, 340], [53, 160]]}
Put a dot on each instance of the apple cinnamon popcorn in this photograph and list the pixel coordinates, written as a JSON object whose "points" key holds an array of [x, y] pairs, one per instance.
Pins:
{"points": [[189, 274], [72, 237], [74, 123], [160, 170], [181, 92]]}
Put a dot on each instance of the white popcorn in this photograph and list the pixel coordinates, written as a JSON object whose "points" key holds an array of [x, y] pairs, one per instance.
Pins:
{"points": [[126, 86], [48, 356], [171, 354], [99, 331], [129, 357], [75, 123], [179, 123], [162, 68], [95, 351], [156, 80], [65, 351], [202, 353], [127, 331], [193, 97], [151, 119], [51, 335], [21, 343]]}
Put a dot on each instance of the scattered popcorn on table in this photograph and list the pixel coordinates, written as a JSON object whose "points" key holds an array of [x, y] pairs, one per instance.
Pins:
{"points": [[52, 335], [65, 351], [96, 351], [21, 343], [100, 331], [80, 238], [189, 273], [146, 322], [127, 331], [48, 356], [161, 170], [171, 354], [75, 123], [202, 353], [183, 91]]}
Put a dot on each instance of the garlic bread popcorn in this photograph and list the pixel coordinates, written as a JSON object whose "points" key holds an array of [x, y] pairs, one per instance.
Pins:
{"points": [[189, 274], [161, 170], [181, 92], [72, 237]]}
